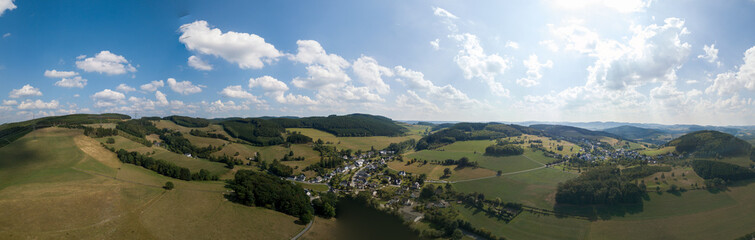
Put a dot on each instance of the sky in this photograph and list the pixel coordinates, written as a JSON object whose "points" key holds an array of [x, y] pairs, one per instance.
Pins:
{"points": [[641, 61]]}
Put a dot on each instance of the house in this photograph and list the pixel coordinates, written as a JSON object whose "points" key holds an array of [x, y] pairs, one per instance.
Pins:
{"points": [[188, 155], [416, 185], [360, 162], [402, 173]]}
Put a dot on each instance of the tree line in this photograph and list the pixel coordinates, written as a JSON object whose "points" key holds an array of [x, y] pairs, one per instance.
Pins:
{"points": [[163, 167], [100, 132], [504, 150], [599, 185], [259, 189], [708, 169], [200, 133]]}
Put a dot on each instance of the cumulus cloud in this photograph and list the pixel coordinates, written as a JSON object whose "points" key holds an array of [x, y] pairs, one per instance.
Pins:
{"points": [[198, 64], [125, 88], [435, 44], [38, 104], [277, 90], [238, 92], [323, 69], [653, 54], [105, 62], [220, 106], [246, 50], [534, 68], [76, 81], [475, 63], [162, 100], [184, 87], [711, 54], [10, 102], [152, 86], [59, 74], [512, 44], [25, 91], [416, 81], [447, 18], [370, 73], [6, 5], [734, 81], [412, 101], [107, 98]]}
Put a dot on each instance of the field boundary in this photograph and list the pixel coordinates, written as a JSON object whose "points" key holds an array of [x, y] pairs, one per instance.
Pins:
{"points": [[143, 184]]}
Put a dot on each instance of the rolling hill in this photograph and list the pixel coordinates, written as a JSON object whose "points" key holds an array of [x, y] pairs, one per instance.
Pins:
{"points": [[708, 143], [472, 131], [572, 132], [634, 133]]}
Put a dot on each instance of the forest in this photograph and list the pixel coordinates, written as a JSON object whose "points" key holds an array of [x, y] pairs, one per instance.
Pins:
{"points": [[188, 121], [708, 169], [472, 131], [162, 167], [504, 150], [259, 189], [352, 125], [711, 144], [600, 185]]}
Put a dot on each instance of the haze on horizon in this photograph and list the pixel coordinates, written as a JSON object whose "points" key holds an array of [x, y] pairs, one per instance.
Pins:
{"points": [[643, 61]]}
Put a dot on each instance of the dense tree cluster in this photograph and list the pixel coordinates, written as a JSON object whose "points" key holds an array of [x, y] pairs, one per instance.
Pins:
{"points": [[298, 138], [714, 169], [325, 206], [352, 125], [643, 171], [137, 127], [600, 185], [461, 163], [449, 224], [229, 161], [162, 167], [324, 164], [504, 150], [401, 146], [472, 131], [280, 169], [175, 142], [711, 144], [259, 132], [259, 189], [100, 132], [189, 121], [200, 133]]}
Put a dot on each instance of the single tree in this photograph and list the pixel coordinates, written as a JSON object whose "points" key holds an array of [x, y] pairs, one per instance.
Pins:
{"points": [[168, 185]]}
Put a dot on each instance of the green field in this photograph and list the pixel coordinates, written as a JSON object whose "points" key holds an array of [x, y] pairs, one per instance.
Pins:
{"points": [[527, 225], [659, 151], [505, 164], [353, 143], [435, 172], [59, 184], [534, 188]]}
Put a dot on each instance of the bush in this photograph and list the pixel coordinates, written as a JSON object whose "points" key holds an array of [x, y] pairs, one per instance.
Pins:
{"points": [[168, 185], [110, 141]]}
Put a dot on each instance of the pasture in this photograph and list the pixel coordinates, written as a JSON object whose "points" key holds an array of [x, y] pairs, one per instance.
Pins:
{"points": [[534, 188], [353, 143], [435, 171], [61, 184]]}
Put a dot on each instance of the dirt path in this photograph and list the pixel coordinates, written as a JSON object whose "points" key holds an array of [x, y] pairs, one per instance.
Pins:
{"points": [[305, 230]]}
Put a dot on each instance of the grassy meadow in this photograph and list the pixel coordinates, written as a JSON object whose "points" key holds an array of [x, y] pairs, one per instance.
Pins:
{"points": [[353, 143], [58, 184]]}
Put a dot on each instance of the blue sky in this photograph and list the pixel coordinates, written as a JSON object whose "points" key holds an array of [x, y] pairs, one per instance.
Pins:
{"points": [[550, 60]]}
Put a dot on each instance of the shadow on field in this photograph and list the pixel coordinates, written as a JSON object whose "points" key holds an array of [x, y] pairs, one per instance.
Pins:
{"points": [[597, 212]]}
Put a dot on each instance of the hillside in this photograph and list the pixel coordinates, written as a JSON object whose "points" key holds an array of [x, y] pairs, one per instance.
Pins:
{"points": [[708, 143], [634, 133], [9, 132], [572, 132], [472, 131], [352, 125]]}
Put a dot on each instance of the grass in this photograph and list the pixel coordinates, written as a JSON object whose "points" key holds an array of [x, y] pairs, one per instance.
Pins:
{"points": [[527, 225], [268, 153], [474, 151], [353, 143], [534, 188], [435, 172], [548, 143], [54, 186], [658, 151]]}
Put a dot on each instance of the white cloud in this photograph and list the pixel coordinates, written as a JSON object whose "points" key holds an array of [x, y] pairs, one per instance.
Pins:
{"points": [[25, 91], [125, 88], [10, 102], [162, 100], [268, 83], [59, 74], [38, 104], [691, 81], [512, 44], [653, 54], [447, 18], [6, 5], [370, 73], [76, 81], [184, 87], [6, 35], [435, 44], [324, 70], [416, 81], [105, 62], [622, 6], [198, 64], [220, 106], [711, 54], [152, 86], [237, 92], [246, 50], [476, 64], [550, 44], [732, 82], [534, 68], [412, 101], [107, 98], [296, 100]]}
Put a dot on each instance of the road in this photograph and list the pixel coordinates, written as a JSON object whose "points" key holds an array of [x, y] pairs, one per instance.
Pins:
{"points": [[304, 231]]}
